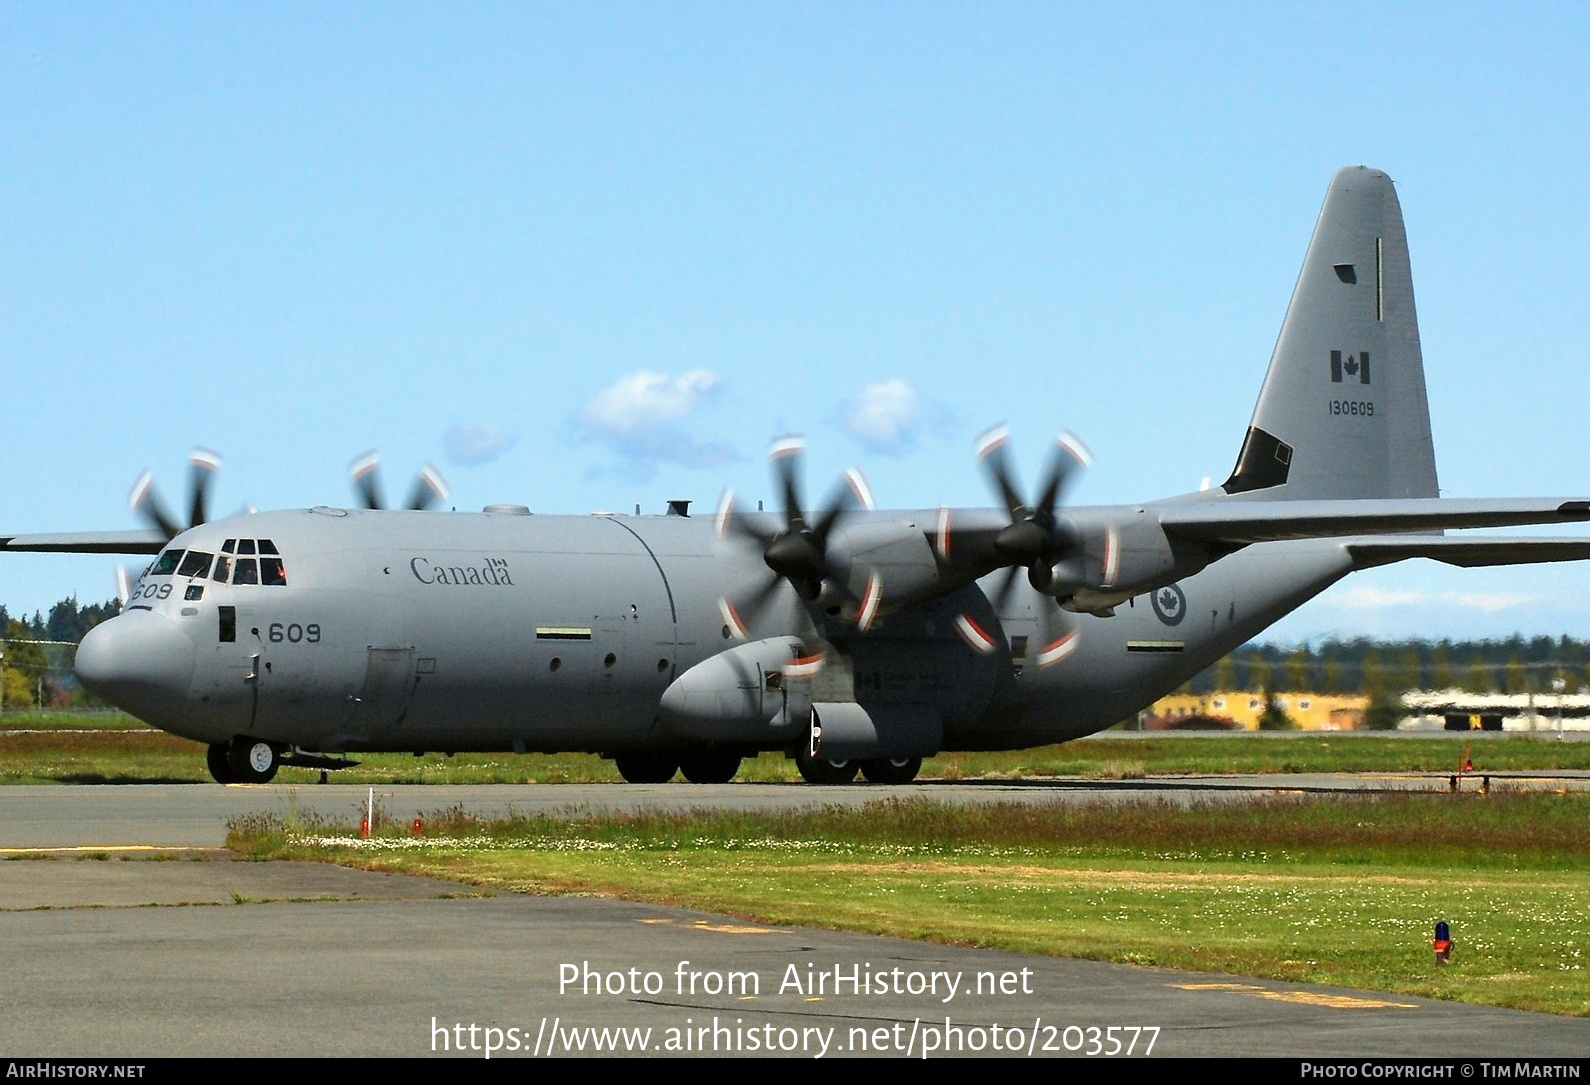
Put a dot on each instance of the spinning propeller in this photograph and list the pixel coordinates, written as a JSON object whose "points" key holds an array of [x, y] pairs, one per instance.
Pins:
{"points": [[202, 466], [799, 551], [1036, 539], [429, 487], [145, 501]]}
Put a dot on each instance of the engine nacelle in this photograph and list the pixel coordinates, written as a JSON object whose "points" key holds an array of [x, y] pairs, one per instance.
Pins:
{"points": [[891, 557], [1120, 557]]}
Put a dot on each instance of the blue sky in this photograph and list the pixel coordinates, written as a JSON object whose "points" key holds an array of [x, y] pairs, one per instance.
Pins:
{"points": [[588, 256]]}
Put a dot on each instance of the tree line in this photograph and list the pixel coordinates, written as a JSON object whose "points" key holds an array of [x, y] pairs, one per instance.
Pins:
{"points": [[1361, 665], [36, 674]]}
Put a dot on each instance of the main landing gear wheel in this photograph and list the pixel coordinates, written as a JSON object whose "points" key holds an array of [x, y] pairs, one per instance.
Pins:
{"points": [[896, 770], [648, 768], [252, 762], [818, 770], [709, 766], [215, 759]]}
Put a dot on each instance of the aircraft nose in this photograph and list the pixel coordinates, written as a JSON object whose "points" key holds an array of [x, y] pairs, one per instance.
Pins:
{"points": [[138, 661]]}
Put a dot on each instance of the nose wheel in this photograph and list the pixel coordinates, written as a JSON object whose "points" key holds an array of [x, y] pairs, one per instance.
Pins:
{"points": [[243, 761]]}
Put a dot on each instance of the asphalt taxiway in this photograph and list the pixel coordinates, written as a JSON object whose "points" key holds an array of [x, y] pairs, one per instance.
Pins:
{"points": [[129, 933]]}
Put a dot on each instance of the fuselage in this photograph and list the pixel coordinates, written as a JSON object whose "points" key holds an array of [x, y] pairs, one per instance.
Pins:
{"points": [[373, 630]]}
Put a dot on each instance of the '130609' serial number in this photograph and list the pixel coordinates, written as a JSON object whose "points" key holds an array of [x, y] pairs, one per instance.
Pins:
{"points": [[1363, 407]]}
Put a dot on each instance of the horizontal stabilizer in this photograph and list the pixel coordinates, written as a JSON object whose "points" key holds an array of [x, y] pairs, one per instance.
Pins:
{"points": [[87, 542], [1242, 522], [1468, 553]]}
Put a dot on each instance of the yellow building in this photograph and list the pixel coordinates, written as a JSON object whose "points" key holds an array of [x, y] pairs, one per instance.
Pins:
{"points": [[1308, 711]]}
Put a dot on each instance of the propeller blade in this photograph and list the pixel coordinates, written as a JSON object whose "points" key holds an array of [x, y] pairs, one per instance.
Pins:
{"points": [[1037, 535], [429, 489], [746, 525], [1068, 456], [786, 456], [1002, 593], [736, 618], [123, 585], [869, 602], [365, 472], [146, 503], [202, 466], [1060, 636], [852, 491], [991, 452], [976, 637]]}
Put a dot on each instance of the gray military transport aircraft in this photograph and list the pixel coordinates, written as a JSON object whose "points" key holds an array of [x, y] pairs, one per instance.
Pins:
{"points": [[848, 637]]}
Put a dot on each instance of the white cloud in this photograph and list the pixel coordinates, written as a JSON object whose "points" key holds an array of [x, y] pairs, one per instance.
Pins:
{"points": [[644, 401], [478, 443], [638, 416], [888, 416]]}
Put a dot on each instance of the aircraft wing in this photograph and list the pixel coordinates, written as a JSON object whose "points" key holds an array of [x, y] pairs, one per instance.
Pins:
{"points": [[88, 542], [1466, 552], [1238, 523]]}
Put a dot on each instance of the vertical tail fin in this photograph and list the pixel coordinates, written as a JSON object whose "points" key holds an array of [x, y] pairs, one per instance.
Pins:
{"points": [[1343, 411]]}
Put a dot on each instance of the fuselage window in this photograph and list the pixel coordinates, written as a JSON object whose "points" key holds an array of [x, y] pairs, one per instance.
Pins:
{"points": [[166, 563], [223, 566], [271, 571], [245, 546], [197, 563], [247, 572]]}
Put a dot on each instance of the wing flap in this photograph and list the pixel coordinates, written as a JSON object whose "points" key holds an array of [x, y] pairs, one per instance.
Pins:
{"points": [[1466, 553], [1243, 522]]}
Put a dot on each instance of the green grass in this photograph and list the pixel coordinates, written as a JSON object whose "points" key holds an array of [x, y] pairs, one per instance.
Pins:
{"points": [[105, 750], [1341, 892]]}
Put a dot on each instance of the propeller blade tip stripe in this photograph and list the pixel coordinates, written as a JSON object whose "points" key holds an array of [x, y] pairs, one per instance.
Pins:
{"points": [[859, 487], [731, 618], [942, 536], [1059, 650], [869, 603], [992, 439], [974, 636], [140, 489], [432, 478], [789, 445], [363, 465], [205, 459], [725, 512], [1073, 447], [804, 666]]}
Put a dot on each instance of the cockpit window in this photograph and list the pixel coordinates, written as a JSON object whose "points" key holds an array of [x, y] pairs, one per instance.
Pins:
{"points": [[166, 563], [229, 546], [247, 571], [245, 546], [223, 567], [267, 547], [271, 571], [197, 563]]}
